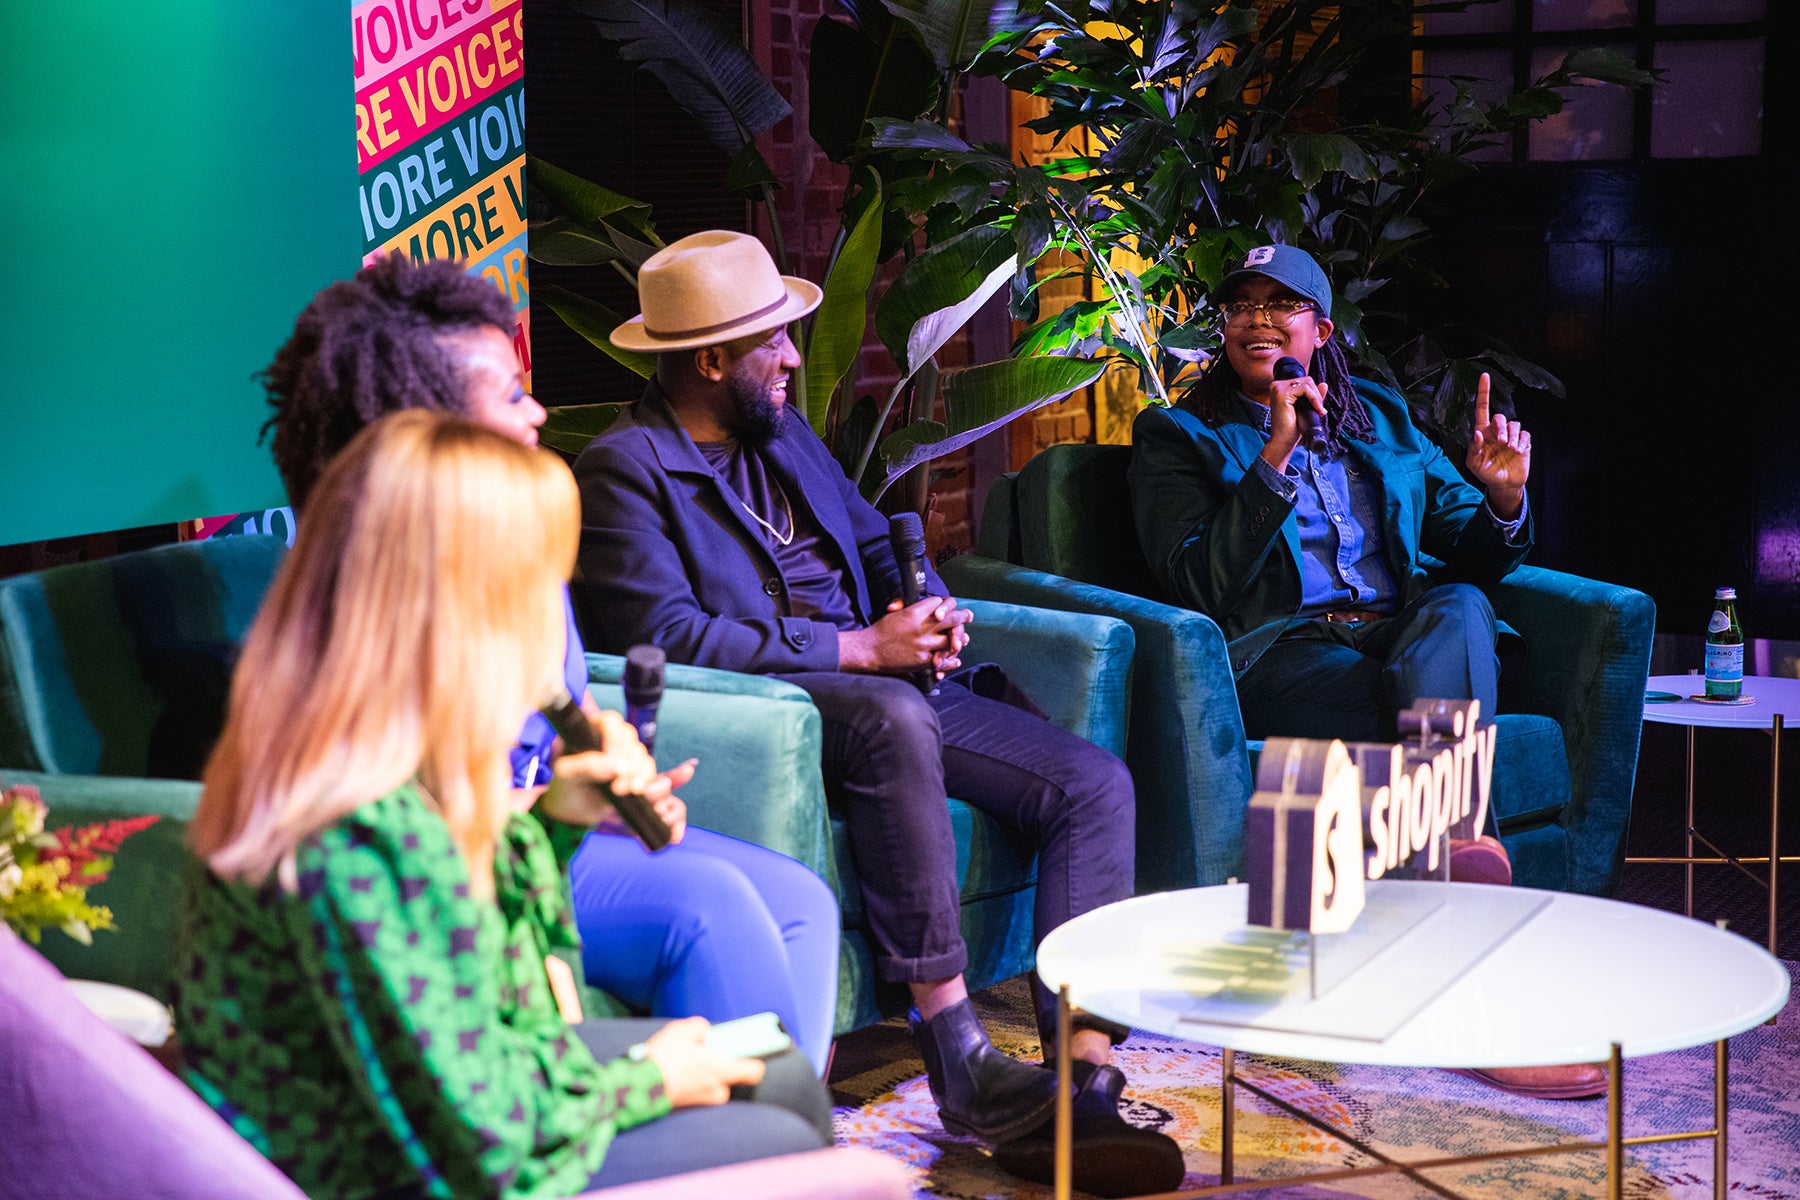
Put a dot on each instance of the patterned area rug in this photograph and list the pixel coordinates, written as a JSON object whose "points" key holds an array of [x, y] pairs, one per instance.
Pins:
{"points": [[1174, 1086]]}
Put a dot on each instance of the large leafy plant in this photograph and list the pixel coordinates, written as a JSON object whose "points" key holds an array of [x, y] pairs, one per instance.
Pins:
{"points": [[902, 60], [1187, 131]]}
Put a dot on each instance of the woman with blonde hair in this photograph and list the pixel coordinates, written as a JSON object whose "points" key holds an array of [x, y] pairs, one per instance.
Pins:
{"points": [[713, 926], [365, 989]]}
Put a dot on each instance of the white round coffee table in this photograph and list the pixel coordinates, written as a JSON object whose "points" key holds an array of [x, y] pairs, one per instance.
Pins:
{"points": [[1773, 701], [1580, 980]]}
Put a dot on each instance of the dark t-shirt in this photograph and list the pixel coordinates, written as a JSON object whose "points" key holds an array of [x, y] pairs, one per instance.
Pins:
{"points": [[808, 560]]}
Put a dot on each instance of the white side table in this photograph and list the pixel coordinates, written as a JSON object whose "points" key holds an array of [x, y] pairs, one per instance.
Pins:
{"points": [[1773, 700]]}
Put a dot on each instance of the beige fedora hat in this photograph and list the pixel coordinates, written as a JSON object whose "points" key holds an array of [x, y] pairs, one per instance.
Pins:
{"points": [[709, 288]]}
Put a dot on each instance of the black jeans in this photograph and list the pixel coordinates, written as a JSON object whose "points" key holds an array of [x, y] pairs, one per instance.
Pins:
{"points": [[892, 755], [789, 1112]]}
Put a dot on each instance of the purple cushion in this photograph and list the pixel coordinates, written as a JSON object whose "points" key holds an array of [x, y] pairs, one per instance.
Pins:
{"points": [[839, 1173], [87, 1112]]}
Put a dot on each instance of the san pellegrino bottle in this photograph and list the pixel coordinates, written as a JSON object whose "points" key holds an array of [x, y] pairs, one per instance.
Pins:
{"points": [[1724, 647]]}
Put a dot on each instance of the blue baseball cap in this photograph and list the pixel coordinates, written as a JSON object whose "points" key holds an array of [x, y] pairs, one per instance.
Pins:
{"points": [[1289, 266]]}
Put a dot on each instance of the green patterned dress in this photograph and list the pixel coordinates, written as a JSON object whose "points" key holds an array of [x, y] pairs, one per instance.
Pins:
{"points": [[383, 1031]]}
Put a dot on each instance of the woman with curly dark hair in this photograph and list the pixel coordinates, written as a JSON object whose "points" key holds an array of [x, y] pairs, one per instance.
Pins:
{"points": [[712, 926], [397, 335]]}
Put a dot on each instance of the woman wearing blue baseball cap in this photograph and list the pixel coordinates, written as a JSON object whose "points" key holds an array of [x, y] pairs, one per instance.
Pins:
{"points": [[1300, 508]]}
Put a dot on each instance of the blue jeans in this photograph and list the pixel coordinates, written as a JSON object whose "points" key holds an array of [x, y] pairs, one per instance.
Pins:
{"points": [[711, 927], [1349, 681]]}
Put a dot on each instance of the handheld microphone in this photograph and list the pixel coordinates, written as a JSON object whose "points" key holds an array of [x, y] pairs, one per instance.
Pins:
{"points": [[643, 690], [577, 733], [1287, 367], [906, 534]]}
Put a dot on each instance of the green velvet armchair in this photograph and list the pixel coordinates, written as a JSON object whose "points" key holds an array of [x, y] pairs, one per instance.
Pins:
{"points": [[1060, 534], [759, 779], [113, 678]]}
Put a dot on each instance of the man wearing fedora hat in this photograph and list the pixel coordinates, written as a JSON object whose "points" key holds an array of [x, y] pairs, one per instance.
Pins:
{"points": [[718, 526]]}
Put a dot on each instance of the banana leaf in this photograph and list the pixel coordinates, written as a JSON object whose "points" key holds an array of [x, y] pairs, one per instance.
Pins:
{"points": [[1312, 155], [843, 313], [571, 427], [857, 73], [749, 172], [583, 201], [940, 290], [561, 242], [979, 400], [954, 31], [699, 59], [593, 321]]}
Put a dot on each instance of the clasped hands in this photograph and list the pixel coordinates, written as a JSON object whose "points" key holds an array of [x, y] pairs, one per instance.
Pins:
{"points": [[621, 767], [930, 632]]}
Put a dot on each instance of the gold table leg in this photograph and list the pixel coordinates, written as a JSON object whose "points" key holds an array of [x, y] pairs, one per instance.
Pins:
{"points": [[1774, 825], [1227, 1111], [1615, 1124], [1721, 1119], [1687, 850], [1065, 1120]]}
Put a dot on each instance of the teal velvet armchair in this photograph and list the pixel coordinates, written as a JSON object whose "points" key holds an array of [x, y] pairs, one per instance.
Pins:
{"points": [[759, 779], [113, 680], [114, 674], [1060, 534]]}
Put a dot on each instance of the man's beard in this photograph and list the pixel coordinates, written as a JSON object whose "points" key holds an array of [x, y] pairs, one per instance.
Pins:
{"points": [[756, 416]]}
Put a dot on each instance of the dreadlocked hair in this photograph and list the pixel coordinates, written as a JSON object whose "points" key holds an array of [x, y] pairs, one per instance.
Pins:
{"points": [[1215, 394], [369, 345]]}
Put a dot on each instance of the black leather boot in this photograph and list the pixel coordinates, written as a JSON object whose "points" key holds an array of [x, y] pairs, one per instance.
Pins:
{"points": [[1111, 1156], [979, 1091]]}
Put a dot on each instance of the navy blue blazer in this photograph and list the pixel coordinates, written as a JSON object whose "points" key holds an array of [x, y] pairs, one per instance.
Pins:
{"points": [[669, 556]]}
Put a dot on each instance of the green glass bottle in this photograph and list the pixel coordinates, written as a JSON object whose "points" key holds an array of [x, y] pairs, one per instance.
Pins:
{"points": [[1724, 647]]}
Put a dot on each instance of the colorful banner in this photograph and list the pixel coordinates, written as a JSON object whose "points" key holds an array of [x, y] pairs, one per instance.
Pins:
{"points": [[440, 151], [440, 137]]}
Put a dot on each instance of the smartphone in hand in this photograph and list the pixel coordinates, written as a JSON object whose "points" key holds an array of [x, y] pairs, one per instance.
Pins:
{"points": [[756, 1036]]}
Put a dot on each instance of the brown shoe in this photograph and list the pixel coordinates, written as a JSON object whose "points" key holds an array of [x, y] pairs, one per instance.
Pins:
{"points": [[1576, 1081], [1479, 860]]}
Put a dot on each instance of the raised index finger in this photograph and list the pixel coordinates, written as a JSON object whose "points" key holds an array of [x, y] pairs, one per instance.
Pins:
{"points": [[1481, 401]]}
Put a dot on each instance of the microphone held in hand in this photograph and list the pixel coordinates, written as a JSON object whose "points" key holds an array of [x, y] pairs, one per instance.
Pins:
{"points": [[906, 534], [578, 736], [644, 665], [1288, 367]]}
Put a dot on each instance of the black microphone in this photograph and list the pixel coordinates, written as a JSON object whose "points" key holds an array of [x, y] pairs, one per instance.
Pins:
{"points": [[907, 536], [643, 690], [1287, 367], [577, 733]]}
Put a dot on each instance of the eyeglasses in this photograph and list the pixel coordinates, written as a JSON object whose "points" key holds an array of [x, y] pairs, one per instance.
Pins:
{"points": [[1279, 312]]}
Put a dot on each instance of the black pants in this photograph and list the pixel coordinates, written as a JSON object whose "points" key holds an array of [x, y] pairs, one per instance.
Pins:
{"points": [[789, 1112], [892, 755]]}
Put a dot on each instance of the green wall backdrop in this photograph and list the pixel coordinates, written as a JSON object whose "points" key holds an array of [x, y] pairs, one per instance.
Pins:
{"points": [[181, 177]]}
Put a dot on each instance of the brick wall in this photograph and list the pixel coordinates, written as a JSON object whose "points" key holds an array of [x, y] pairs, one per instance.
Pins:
{"points": [[812, 189]]}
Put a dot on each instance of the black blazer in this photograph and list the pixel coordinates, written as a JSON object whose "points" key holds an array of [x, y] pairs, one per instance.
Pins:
{"points": [[668, 555]]}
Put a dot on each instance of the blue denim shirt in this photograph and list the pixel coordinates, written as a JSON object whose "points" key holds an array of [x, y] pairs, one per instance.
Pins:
{"points": [[1343, 558]]}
